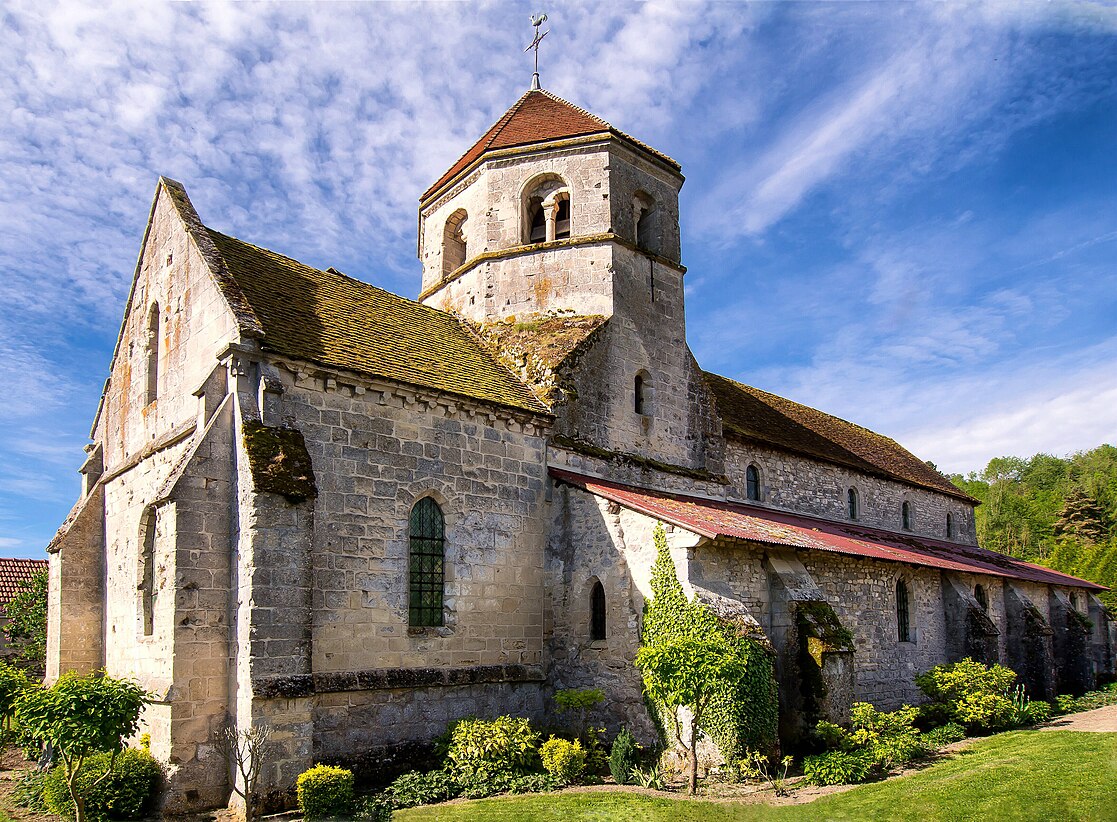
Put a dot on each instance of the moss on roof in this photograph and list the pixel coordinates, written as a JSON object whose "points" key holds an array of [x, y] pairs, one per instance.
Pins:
{"points": [[279, 461], [769, 419], [536, 347], [328, 318]]}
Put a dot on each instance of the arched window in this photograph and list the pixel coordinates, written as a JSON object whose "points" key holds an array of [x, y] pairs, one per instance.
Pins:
{"points": [[905, 516], [426, 533], [752, 483], [903, 612], [454, 251], [597, 612], [642, 393], [852, 503], [538, 231], [979, 595], [152, 388], [562, 218], [949, 526]]}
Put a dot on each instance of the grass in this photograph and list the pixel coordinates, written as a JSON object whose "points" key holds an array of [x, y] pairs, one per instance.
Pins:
{"points": [[1066, 776]]}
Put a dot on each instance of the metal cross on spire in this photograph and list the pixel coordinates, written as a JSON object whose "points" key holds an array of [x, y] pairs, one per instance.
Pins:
{"points": [[537, 20]]}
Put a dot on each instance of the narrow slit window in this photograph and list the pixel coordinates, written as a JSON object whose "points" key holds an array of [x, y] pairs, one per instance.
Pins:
{"points": [[752, 483], [905, 516], [152, 387], [949, 526], [597, 612], [147, 571], [903, 612], [852, 503], [426, 532], [640, 394]]}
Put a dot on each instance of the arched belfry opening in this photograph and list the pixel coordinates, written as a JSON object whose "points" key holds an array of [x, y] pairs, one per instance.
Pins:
{"points": [[546, 210], [454, 247]]}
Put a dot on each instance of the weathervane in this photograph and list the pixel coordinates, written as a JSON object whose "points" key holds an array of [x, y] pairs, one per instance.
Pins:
{"points": [[537, 20]]}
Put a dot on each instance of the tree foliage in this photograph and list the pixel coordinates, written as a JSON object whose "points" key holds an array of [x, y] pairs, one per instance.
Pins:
{"points": [[1061, 512], [79, 716], [739, 709], [27, 623]]}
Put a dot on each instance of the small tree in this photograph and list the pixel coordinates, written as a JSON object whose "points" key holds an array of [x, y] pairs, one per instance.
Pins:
{"points": [[27, 623], [245, 751], [13, 682], [79, 716], [686, 673]]}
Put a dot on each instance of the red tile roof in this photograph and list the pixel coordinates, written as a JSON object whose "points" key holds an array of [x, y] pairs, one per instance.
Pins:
{"points": [[713, 519], [537, 117], [15, 574]]}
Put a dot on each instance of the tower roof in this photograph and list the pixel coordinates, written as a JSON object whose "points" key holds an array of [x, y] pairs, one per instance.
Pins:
{"points": [[537, 117]]}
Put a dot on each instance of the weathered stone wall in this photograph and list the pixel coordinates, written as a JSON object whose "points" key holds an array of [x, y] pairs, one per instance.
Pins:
{"points": [[805, 486]]}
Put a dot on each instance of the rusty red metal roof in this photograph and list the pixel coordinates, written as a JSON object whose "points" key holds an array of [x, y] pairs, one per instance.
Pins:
{"points": [[15, 574], [713, 519], [537, 117]]}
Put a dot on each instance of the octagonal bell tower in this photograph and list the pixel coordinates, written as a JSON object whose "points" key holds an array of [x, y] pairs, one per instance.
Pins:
{"points": [[542, 212], [555, 212]]}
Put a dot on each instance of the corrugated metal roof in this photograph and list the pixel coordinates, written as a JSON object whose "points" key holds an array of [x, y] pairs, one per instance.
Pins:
{"points": [[714, 519]]}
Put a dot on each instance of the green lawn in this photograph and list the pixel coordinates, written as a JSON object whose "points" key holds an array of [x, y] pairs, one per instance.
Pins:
{"points": [[1025, 775]]}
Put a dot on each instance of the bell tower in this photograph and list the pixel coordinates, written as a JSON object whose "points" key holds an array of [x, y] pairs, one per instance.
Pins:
{"points": [[554, 212]]}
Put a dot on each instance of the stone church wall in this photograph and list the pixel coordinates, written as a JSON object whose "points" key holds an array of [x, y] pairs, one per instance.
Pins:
{"points": [[376, 450], [805, 486]]}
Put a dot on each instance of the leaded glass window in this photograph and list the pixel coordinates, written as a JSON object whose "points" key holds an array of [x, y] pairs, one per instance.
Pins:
{"points": [[426, 530], [903, 615], [752, 482]]}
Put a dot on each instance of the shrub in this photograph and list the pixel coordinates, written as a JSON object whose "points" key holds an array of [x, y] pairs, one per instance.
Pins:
{"points": [[1065, 704], [13, 682], [416, 788], [125, 793], [651, 778], [837, 767], [325, 791], [973, 695], [487, 747], [1037, 711], [28, 790], [940, 737], [623, 757], [889, 738], [532, 783], [375, 808], [564, 760]]}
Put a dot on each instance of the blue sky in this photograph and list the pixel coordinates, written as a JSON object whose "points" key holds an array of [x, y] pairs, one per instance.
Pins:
{"points": [[904, 214]]}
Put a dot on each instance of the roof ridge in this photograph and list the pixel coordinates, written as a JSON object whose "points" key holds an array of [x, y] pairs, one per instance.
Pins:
{"points": [[574, 106], [802, 405]]}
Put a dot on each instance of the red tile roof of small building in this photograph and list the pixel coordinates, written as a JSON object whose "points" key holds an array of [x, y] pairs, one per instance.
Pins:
{"points": [[15, 574], [713, 519], [537, 117]]}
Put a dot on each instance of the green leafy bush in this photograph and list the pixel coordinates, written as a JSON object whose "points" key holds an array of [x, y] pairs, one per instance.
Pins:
{"points": [[13, 682], [1037, 711], [325, 791], [375, 808], [940, 737], [837, 767], [884, 739], [28, 790], [126, 793], [416, 788], [623, 757], [650, 777], [972, 694], [489, 747], [1065, 704], [564, 760]]}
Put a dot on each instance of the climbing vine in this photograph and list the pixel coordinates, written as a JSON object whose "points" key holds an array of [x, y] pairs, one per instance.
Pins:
{"points": [[743, 715]]}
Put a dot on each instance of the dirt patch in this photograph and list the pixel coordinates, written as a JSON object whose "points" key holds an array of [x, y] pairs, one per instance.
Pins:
{"points": [[1099, 720]]}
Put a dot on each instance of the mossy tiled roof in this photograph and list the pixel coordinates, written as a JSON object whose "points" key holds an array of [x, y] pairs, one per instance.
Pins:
{"points": [[772, 420], [331, 319]]}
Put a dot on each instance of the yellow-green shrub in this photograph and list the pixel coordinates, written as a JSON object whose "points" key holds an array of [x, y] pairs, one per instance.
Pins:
{"points": [[325, 791], [564, 760]]}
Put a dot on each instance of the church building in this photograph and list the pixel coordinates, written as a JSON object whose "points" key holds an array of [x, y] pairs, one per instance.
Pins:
{"points": [[355, 517]]}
